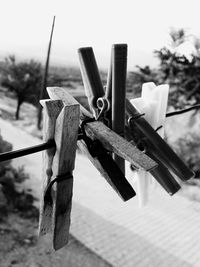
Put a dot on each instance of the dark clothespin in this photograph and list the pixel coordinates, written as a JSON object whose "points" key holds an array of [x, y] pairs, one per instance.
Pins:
{"points": [[108, 105], [119, 70], [109, 140], [118, 74], [91, 78], [61, 123], [158, 149], [103, 161]]}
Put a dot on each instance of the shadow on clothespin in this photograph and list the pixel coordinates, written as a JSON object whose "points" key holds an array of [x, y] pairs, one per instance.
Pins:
{"points": [[156, 148], [105, 141], [61, 123]]}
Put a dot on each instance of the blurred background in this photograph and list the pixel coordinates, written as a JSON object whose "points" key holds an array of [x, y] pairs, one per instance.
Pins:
{"points": [[163, 40]]}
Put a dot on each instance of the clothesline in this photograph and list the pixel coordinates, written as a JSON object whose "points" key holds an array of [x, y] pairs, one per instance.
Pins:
{"points": [[34, 149], [178, 112]]}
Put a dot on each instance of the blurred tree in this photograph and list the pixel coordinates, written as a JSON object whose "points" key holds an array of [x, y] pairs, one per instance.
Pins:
{"points": [[179, 66], [24, 79], [12, 197], [135, 79]]}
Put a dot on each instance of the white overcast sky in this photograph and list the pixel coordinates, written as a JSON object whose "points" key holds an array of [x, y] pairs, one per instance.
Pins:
{"points": [[144, 25]]}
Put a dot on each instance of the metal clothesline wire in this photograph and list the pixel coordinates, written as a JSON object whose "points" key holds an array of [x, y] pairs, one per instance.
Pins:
{"points": [[178, 112], [51, 143]]}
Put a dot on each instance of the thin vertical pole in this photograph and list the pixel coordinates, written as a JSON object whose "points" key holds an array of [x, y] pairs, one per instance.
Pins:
{"points": [[119, 69], [44, 82]]}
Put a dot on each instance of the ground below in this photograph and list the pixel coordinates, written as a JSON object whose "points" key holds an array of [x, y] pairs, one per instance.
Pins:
{"points": [[164, 234], [20, 247], [19, 242]]}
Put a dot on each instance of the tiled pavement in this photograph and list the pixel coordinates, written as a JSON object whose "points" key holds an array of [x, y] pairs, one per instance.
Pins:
{"points": [[165, 233]]}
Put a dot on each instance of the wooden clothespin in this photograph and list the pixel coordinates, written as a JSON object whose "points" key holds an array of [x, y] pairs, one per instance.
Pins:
{"points": [[109, 140], [61, 123], [108, 105]]}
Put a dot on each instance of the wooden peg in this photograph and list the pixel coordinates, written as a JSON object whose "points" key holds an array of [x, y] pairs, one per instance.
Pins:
{"points": [[164, 152], [113, 174], [66, 133], [118, 145], [112, 141], [51, 109], [124, 190], [119, 68], [60, 93]]}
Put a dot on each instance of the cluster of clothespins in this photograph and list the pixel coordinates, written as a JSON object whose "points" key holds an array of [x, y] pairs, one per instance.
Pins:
{"points": [[115, 131]]}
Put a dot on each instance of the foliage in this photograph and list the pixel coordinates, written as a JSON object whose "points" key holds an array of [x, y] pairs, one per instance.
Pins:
{"points": [[188, 147], [135, 79], [181, 69], [179, 66], [4, 147], [24, 79], [12, 198]]}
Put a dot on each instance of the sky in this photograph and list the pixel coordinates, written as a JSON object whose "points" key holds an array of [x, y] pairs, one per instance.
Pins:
{"points": [[144, 25]]}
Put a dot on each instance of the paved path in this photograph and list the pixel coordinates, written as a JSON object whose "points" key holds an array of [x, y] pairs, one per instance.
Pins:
{"points": [[165, 233]]}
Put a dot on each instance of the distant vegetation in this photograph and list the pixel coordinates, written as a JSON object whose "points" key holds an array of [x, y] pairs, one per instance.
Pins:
{"points": [[180, 71], [24, 79], [11, 197]]}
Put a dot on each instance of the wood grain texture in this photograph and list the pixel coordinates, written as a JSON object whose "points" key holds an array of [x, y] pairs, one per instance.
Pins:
{"points": [[110, 140], [66, 133], [115, 143], [60, 93], [51, 109]]}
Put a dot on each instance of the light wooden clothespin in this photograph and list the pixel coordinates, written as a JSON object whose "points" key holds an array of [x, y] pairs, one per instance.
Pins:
{"points": [[97, 130], [61, 123]]}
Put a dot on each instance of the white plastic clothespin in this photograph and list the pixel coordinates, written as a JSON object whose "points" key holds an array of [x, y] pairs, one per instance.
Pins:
{"points": [[61, 123], [153, 103]]}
